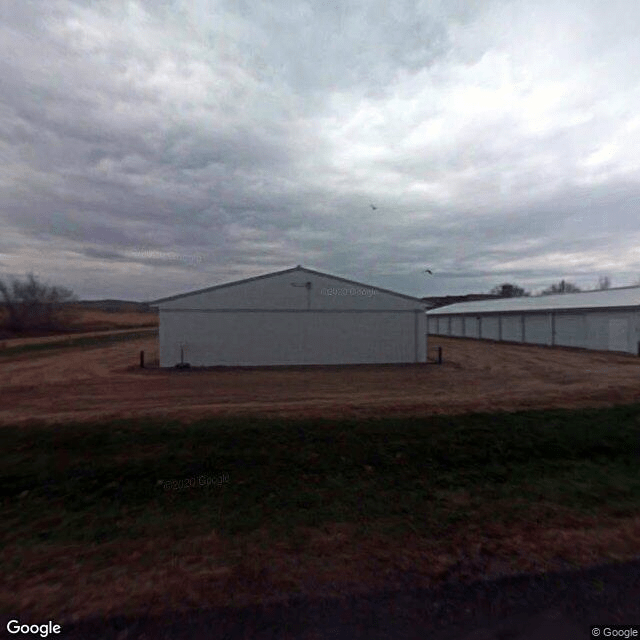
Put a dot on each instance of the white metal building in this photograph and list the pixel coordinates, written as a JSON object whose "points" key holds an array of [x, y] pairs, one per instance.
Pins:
{"points": [[606, 320], [296, 316]]}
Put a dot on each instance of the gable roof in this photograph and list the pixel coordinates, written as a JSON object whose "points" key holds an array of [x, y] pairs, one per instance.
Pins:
{"points": [[441, 301], [299, 268], [599, 299]]}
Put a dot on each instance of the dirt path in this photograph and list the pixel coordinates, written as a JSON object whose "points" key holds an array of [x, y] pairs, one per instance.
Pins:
{"points": [[105, 382]]}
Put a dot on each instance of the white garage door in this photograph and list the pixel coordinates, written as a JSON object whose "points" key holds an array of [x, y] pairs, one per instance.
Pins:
{"points": [[471, 327], [618, 334], [457, 326], [537, 328], [512, 328], [570, 330], [490, 328]]}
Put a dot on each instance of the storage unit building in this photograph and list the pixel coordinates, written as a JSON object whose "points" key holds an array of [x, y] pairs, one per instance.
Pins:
{"points": [[606, 320], [295, 316]]}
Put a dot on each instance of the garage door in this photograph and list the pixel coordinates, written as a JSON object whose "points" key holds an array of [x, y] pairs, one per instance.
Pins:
{"points": [[472, 327], [457, 326], [512, 328], [618, 334], [490, 327], [571, 330], [537, 328]]}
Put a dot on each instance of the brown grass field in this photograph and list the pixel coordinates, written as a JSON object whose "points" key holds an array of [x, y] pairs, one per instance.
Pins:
{"points": [[99, 382], [106, 382], [90, 320], [95, 320]]}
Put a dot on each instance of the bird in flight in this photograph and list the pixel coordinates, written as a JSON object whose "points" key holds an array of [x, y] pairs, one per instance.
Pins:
{"points": [[428, 271], [374, 208]]}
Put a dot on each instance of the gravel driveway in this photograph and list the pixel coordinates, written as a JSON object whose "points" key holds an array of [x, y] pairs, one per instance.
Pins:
{"points": [[557, 606]]}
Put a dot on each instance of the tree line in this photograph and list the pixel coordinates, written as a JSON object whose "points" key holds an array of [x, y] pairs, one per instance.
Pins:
{"points": [[30, 306], [509, 290]]}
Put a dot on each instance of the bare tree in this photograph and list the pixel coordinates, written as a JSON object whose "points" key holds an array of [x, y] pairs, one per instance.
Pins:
{"points": [[604, 282], [34, 306], [508, 290], [562, 287]]}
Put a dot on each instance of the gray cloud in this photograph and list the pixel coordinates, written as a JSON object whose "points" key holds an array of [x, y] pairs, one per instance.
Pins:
{"points": [[203, 141]]}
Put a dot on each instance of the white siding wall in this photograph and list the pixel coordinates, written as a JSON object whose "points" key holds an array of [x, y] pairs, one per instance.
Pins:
{"points": [[432, 324], [537, 328], [490, 327], [605, 330], [279, 338], [277, 292], [512, 328]]}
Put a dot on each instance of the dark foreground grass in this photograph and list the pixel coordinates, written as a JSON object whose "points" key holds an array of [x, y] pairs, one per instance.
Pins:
{"points": [[86, 341], [94, 483]]}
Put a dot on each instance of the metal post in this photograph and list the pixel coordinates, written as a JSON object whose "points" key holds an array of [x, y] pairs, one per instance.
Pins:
{"points": [[439, 355], [142, 359]]}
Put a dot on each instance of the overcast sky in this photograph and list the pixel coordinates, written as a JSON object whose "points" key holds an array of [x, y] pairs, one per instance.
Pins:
{"points": [[151, 148]]}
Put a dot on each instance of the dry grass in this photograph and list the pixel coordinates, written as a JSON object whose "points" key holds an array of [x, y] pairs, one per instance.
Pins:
{"points": [[475, 376], [95, 320], [82, 320], [154, 576], [201, 570]]}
